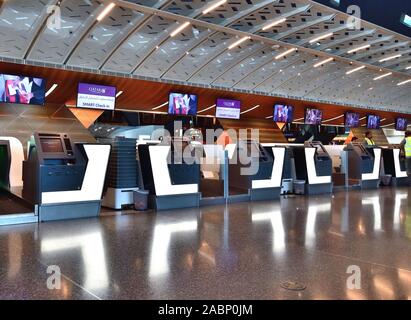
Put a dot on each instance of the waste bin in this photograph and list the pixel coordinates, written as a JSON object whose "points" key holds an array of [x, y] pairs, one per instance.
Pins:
{"points": [[299, 187], [386, 180], [140, 200]]}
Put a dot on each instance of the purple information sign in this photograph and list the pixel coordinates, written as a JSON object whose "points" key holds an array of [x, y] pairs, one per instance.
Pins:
{"points": [[229, 109], [95, 96]]}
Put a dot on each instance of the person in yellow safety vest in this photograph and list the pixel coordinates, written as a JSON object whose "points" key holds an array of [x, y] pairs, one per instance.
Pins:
{"points": [[406, 146], [368, 139]]}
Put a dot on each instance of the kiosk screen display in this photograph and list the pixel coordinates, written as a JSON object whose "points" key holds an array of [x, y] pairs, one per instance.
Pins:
{"points": [[51, 145], [228, 109], [93, 96], [352, 120], [182, 104], [373, 122], [313, 116], [401, 124], [283, 113], [24, 90]]}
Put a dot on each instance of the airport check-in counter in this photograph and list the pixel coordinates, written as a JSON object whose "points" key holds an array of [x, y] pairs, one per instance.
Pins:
{"points": [[314, 166], [256, 168], [63, 179], [394, 165], [171, 173], [363, 165], [11, 162]]}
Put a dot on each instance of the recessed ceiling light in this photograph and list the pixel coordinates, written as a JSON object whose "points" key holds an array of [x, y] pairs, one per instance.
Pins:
{"points": [[160, 106], [119, 94], [248, 110]]}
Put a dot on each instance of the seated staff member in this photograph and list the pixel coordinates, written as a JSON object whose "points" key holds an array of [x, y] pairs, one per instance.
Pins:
{"points": [[368, 139], [406, 147]]}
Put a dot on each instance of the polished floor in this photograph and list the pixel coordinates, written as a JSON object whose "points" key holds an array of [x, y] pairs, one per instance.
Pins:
{"points": [[239, 251]]}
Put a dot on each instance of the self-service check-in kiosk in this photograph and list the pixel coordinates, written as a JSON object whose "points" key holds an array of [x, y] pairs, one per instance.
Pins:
{"points": [[314, 166], [257, 169], [363, 165], [63, 179], [395, 166], [171, 173]]}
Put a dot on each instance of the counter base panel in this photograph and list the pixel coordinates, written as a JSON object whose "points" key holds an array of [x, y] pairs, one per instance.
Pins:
{"points": [[68, 211], [401, 182], [265, 194], [370, 184], [316, 189], [191, 200]]}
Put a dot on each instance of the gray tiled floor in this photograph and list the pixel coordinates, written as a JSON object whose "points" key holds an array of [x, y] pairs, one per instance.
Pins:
{"points": [[242, 251]]}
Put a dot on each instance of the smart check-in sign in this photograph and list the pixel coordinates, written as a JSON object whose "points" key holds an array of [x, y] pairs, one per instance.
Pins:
{"points": [[228, 109], [94, 96]]}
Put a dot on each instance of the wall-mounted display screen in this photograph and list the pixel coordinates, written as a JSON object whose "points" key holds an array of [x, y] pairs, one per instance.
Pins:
{"points": [[313, 116], [401, 124], [228, 109], [373, 122], [94, 96], [283, 113], [51, 145], [182, 104], [24, 90], [352, 119]]}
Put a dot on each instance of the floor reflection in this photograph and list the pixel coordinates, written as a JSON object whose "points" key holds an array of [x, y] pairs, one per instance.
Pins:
{"points": [[235, 251]]}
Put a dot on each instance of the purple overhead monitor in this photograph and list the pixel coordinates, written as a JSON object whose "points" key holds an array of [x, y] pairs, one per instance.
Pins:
{"points": [[228, 109], [373, 122], [352, 120], [182, 104], [401, 124], [283, 113], [313, 116], [94, 96], [21, 89]]}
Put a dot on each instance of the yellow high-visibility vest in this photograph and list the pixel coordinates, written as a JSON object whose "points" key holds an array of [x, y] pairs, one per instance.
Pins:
{"points": [[370, 142], [407, 147]]}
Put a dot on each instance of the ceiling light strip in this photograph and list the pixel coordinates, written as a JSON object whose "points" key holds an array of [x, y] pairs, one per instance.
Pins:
{"points": [[323, 62], [106, 11], [237, 43], [51, 90], [324, 36], [179, 29], [332, 119], [404, 82], [285, 53], [206, 109], [382, 76], [251, 109], [160, 106], [273, 24], [355, 70], [359, 48], [214, 6], [390, 58]]}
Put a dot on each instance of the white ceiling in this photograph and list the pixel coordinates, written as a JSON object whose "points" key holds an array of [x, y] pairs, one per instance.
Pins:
{"points": [[134, 40]]}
